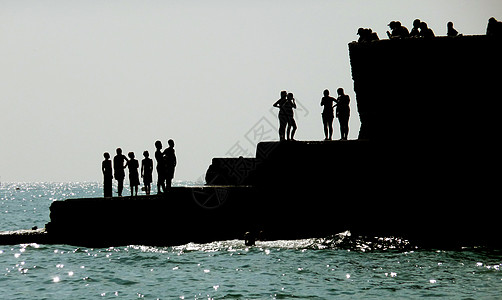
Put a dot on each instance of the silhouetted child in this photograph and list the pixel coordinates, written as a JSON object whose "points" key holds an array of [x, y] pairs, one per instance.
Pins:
{"points": [[327, 114], [146, 171], [283, 119], [494, 28], [425, 31], [118, 169], [288, 109], [450, 30], [343, 113], [161, 167], [106, 167], [170, 161], [398, 31], [133, 166], [415, 31]]}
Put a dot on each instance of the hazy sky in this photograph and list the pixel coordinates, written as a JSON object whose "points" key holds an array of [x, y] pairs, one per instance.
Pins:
{"points": [[78, 78]]}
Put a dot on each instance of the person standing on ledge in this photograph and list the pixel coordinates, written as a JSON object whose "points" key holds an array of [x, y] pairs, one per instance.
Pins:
{"points": [[170, 161], [133, 166], [327, 114], [146, 171], [343, 113], [118, 169], [161, 169], [106, 167], [288, 109], [283, 119]]}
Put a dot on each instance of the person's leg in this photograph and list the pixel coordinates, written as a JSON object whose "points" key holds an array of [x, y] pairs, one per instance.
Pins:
{"points": [[293, 124], [330, 128], [120, 186]]}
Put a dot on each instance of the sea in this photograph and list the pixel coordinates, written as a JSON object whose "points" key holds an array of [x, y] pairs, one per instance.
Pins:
{"points": [[340, 266]]}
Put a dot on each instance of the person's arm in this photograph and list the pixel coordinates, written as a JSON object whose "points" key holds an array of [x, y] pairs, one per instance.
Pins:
{"points": [[277, 103], [294, 104], [142, 168]]}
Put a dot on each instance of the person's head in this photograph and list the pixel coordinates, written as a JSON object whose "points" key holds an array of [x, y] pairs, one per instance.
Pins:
{"points": [[416, 23], [146, 154], [119, 151], [158, 144], [170, 143], [340, 91], [492, 20], [290, 96], [450, 25], [326, 93], [423, 26], [106, 155], [131, 155], [284, 94], [392, 25]]}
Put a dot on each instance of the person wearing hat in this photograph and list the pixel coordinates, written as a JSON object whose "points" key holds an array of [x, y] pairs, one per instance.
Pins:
{"points": [[398, 31]]}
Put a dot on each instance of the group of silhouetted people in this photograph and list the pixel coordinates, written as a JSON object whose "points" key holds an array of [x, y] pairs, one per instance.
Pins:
{"points": [[287, 124], [421, 30], [166, 163]]}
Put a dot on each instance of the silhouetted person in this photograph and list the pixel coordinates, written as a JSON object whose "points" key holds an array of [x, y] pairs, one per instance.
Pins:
{"points": [[288, 109], [133, 166], [415, 31], [398, 31], [249, 239], [367, 35], [170, 163], [146, 171], [494, 28], [161, 169], [327, 114], [118, 169], [283, 119], [425, 31], [343, 113], [106, 167], [450, 30]]}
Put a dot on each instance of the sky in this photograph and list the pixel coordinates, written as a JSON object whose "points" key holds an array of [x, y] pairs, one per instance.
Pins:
{"points": [[80, 78]]}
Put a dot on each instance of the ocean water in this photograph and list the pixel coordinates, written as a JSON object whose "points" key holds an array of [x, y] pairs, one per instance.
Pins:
{"points": [[341, 266]]}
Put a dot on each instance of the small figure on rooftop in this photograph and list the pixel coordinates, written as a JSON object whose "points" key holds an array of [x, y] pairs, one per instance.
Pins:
{"points": [[170, 163], [283, 119], [118, 169], [106, 167], [161, 169], [146, 171], [133, 166], [327, 114], [343, 113], [415, 31], [425, 31], [494, 28], [450, 30], [398, 31], [288, 108], [367, 35]]}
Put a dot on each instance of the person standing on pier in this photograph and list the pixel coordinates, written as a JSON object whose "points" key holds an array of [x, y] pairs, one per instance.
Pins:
{"points": [[327, 114], [146, 171], [133, 166], [170, 161], [343, 113], [288, 109], [118, 169], [161, 169], [106, 167], [283, 119]]}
